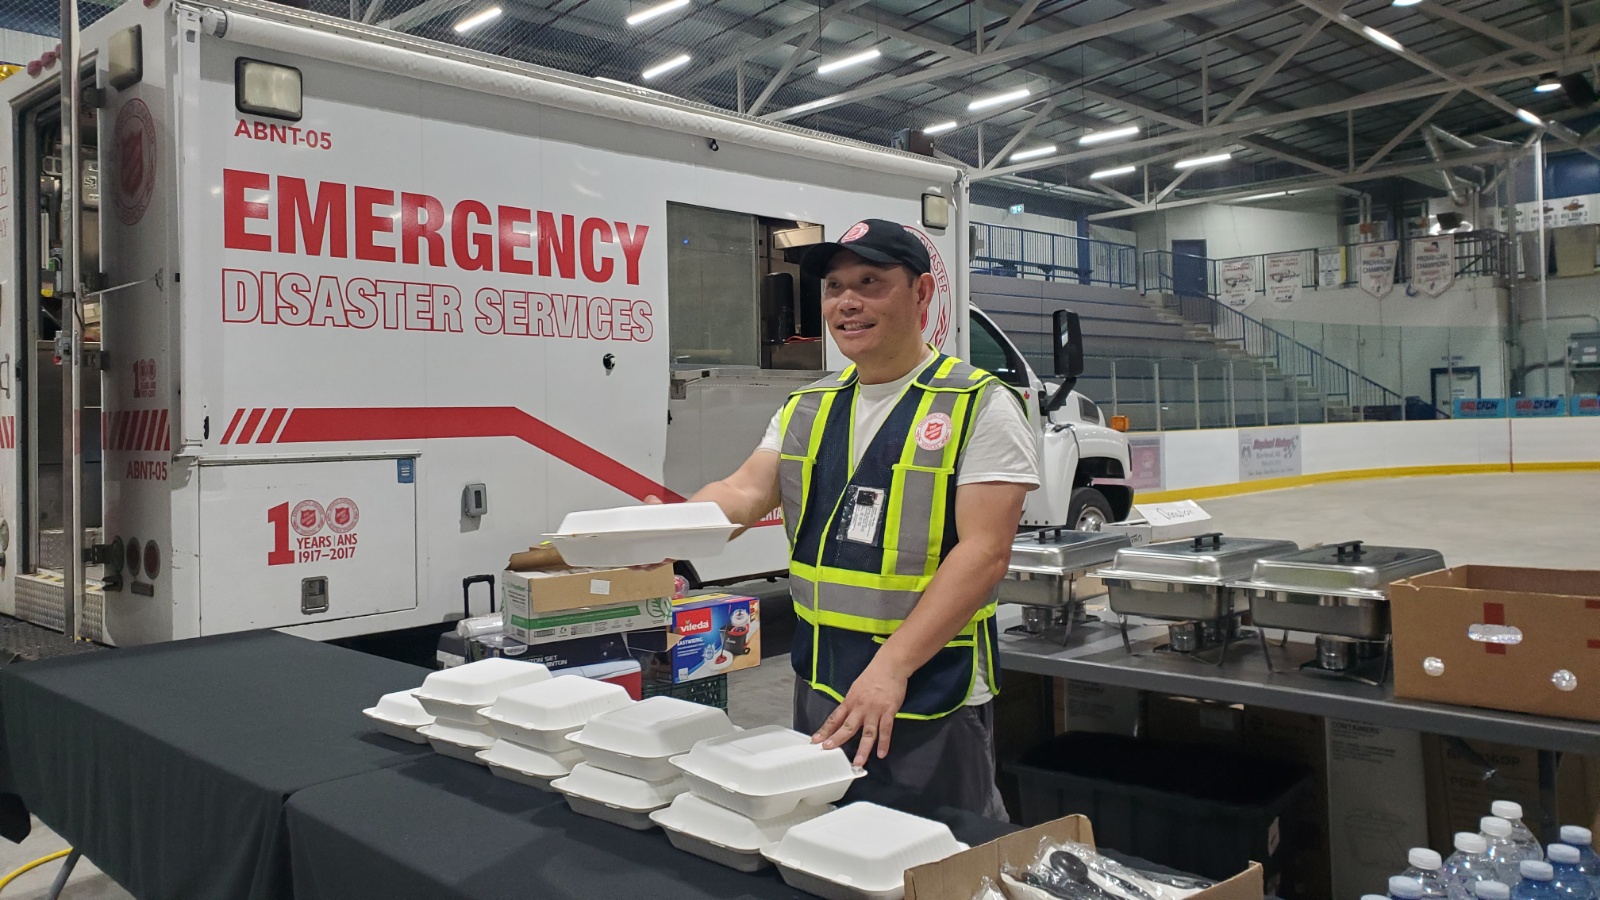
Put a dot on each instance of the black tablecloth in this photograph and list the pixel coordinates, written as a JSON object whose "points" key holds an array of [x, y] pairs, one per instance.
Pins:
{"points": [[168, 766], [443, 829]]}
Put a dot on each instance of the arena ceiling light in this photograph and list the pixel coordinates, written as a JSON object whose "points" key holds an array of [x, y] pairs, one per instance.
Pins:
{"points": [[1530, 118], [473, 21], [1404, 2], [1114, 172], [854, 59], [999, 100], [1198, 161], [941, 127], [656, 12], [1548, 84], [1381, 39], [663, 68], [1033, 153], [1100, 137]]}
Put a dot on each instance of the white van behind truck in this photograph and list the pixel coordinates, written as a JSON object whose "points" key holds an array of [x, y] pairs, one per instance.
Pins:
{"points": [[364, 313]]}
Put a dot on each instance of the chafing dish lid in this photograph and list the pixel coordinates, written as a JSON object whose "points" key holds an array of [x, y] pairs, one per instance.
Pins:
{"points": [[1056, 551], [1349, 569], [1208, 558]]}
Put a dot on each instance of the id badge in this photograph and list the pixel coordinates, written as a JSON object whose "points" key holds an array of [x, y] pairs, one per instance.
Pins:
{"points": [[866, 511]]}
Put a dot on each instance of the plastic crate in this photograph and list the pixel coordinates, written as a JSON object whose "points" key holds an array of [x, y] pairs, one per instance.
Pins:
{"points": [[708, 691], [1195, 809]]}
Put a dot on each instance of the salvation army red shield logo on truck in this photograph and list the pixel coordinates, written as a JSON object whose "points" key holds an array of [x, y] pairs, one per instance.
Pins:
{"points": [[936, 321], [135, 143]]}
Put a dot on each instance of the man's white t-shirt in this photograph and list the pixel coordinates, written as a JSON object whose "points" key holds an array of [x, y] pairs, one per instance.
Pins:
{"points": [[1002, 448]]}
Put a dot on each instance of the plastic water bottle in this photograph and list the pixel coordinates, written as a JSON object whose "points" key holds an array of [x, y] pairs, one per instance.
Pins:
{"points": [[1570, 881], [1538, 882], [1527, 845], [1588, 861], [1470, 864], [1427, 868], [1503, 854], [1403, 888], [1491, 890]]}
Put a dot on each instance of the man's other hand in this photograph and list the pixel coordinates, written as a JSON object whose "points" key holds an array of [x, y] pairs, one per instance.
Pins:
{"points": [[868, 710]]}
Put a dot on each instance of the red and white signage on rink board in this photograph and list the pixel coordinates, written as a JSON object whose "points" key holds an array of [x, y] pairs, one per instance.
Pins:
{"points": [[322, 533]]}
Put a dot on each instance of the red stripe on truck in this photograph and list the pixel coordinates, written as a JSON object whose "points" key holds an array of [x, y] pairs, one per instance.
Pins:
{"points": [[270, 429], [233, 425], [306, 426]]}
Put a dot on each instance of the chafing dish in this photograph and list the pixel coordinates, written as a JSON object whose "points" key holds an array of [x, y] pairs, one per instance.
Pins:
{"points": [[1339, 592], [1188, 582], [1045, 566]]}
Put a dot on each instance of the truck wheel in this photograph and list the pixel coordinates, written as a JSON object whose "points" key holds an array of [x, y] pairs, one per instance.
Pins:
{"points": [[1090, 510]]}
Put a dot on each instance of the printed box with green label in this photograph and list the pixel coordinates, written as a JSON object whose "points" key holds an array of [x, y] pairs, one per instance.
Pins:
{"points": [[710, 634], [544, 601]]}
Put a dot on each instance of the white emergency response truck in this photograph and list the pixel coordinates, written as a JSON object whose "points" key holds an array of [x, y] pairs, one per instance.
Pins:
{"points": [[361, 314]]}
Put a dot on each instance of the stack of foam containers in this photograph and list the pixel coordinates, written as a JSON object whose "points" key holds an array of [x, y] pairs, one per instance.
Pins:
{"points": [[627, 773], [456, 697], [400, 715], [860, 852], [747, 789], [531, 724]]}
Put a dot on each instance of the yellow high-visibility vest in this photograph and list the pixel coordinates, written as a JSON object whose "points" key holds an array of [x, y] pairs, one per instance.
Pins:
{"points": [[866, 539]]}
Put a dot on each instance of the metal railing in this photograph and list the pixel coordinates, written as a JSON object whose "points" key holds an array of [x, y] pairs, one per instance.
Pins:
{"points": [[1477, 253], [1023, 253], [1173, 394]]}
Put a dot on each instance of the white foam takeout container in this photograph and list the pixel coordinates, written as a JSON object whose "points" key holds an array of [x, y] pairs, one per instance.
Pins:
{"points": [[458, 694], [613, 797], [698, 826], [541, 715], [860, 852], [399, 715], [457, 741], [641, 739], [526, 765], [766, 772], [642, 535]]}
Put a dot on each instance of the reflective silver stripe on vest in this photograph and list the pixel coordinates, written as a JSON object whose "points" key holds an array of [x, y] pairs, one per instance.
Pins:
{"points": [[916, 491], [792, 472], [869, 603]]}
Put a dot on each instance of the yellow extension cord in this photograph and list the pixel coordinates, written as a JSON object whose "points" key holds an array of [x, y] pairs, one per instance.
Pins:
{"points": [[31, 866]]}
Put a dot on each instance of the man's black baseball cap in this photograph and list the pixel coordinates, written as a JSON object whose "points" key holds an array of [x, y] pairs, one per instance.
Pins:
{"points": [[874, 240]]}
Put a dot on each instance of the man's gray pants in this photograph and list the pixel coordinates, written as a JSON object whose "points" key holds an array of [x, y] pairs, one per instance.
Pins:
{"points": [[943, 763]]}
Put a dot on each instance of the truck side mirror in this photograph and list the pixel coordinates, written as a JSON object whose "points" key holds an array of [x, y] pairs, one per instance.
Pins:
{"points": [[1068, 344], [1068, 353]]}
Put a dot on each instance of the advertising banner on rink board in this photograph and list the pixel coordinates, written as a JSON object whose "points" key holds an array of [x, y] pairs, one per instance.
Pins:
{"points": [[1237, 279], [1269, 453], [1433, 264], [1284, 274], [1375, 265]]}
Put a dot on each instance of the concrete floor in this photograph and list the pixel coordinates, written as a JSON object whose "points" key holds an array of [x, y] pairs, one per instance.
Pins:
{"points": [[1535, 519]]}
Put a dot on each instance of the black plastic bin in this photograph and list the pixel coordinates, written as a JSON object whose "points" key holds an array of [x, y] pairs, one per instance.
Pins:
{"points": [[1195, 809]]}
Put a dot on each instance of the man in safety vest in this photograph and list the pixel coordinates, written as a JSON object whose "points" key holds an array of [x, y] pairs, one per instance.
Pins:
{"points": [[902, 482]]}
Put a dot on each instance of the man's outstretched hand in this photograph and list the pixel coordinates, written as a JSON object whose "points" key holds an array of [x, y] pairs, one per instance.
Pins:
{"points": [[868, 710]]}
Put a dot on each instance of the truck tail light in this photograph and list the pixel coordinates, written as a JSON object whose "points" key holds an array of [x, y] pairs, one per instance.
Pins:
{"points": [[267, 89], [1119, 423]]}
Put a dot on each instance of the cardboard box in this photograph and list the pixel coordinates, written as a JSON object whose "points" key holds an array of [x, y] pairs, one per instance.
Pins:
{"points": [[1377, 804], [960, 876], [1305, 863], [597, 649], [1547, 619], [1465, 777], [532, 627], [539, 581], [1182, 720], [1103, 708], [708, 634]]}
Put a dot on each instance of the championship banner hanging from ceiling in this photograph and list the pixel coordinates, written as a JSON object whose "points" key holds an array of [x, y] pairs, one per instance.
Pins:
{"points": [[1285, 272], [1375, 263], [1433, 264]]}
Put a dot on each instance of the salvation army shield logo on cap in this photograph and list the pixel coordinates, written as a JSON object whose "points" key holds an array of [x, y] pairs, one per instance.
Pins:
{"points": [[933, 432], [856, 233]]}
